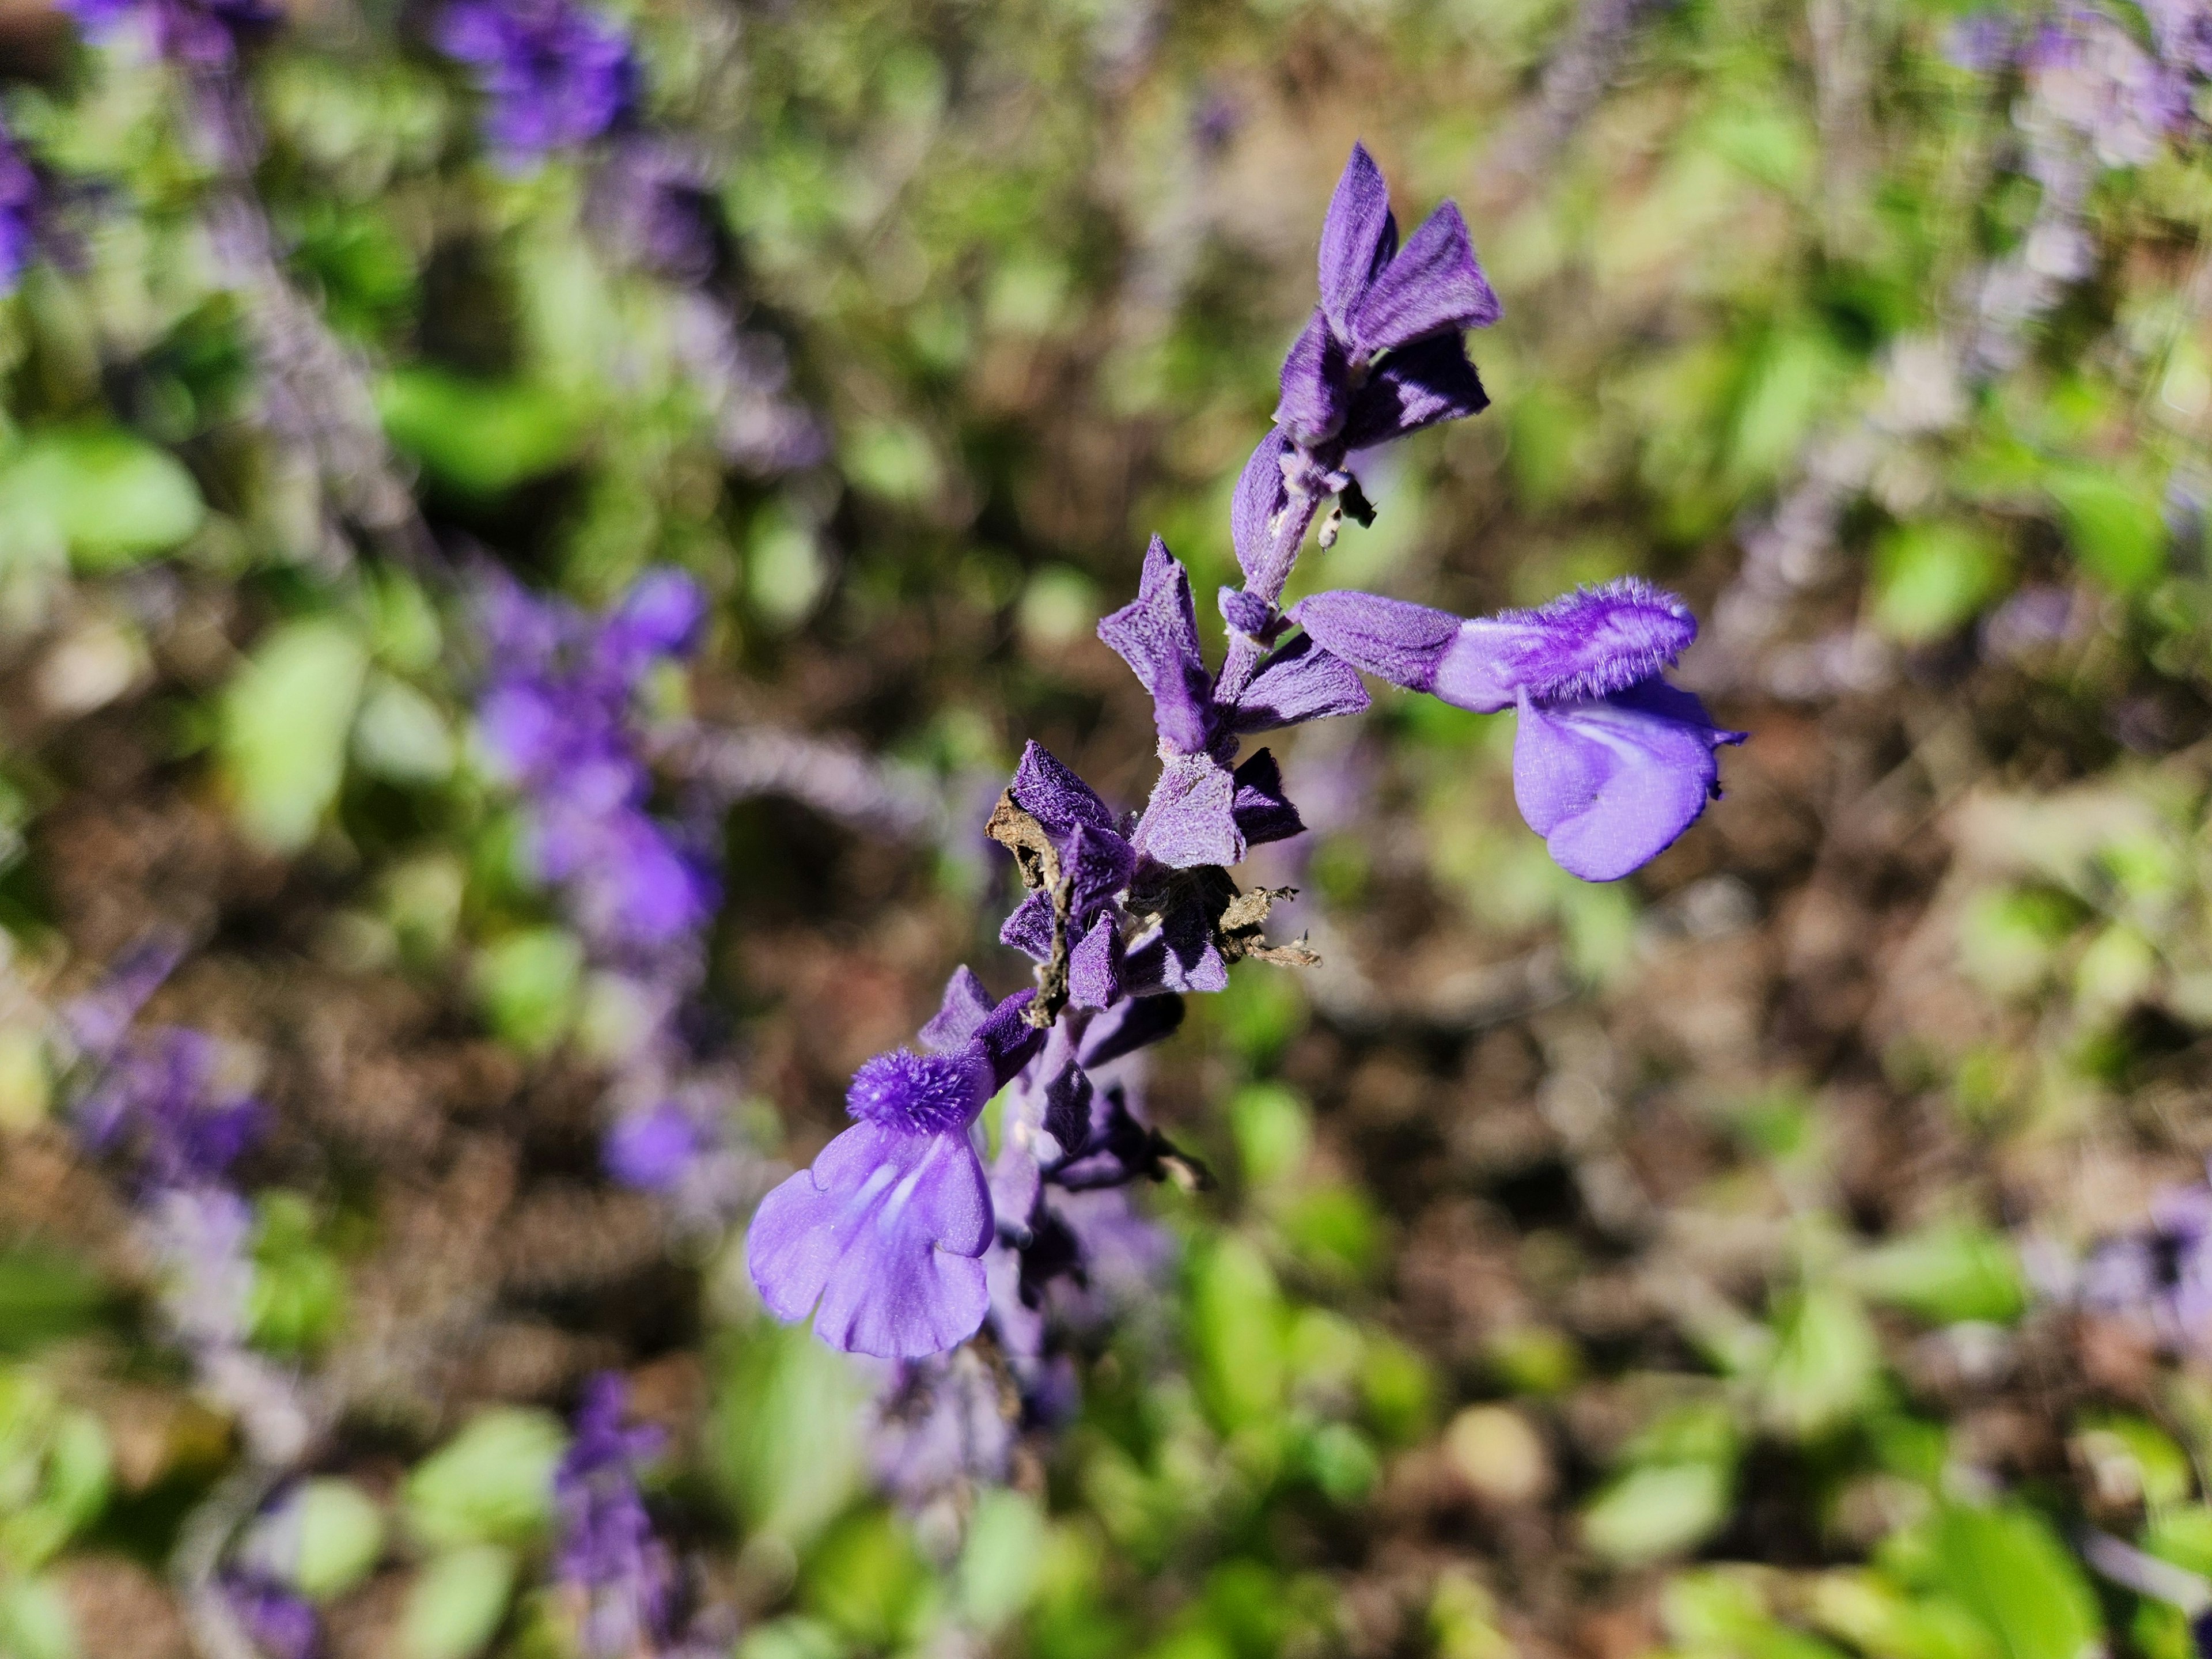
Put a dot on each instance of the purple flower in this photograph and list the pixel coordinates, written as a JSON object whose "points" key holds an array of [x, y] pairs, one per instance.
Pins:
{"points": [[1611, 764], [21, 198], [555, 714], [655, 1149], [554, 74], [652, 202], [281, 1623], [207, 33], [2163, 1273], [2183, 30], [2087, 71], [163, 1105], [607, 1556], [881, 1240], [942, 1425]]}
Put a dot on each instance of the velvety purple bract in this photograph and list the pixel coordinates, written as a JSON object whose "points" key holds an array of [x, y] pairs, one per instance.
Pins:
{"points": [[1357, 238], [1054, 796], [1610, 783], [1434, 286], [1191, 819], [1302, 682], [1393, 640], [1262, 493], [1419, 386], [1156, 634], [553, 74], [1589, 643]]}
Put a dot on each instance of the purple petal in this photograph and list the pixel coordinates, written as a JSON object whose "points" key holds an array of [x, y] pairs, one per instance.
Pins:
{"points": [[1393, 640], [1586, 644], [1301, 682], [1427, 382], [1156, 634], [1260, 495], [1434, 286], [1133, 1024], [1094, 965], [1246, 613], [1028, 929], [1317, 388], [1610, 783], [1191, 819], [652, 1150], [1263, 812], [1357, 239], [662, 613], [1054, 796], [1180, 957], [880, 1241], [966, 1006]]}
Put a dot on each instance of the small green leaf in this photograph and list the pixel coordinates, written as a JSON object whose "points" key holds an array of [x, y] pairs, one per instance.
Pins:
{"points": [[998, 1572], [341, 1536], [1931, 579], [283, 723], [1946, 1274], [1657, 1510], [1273, 1130], [530, 983], [34, 1621], [109, 496], [458, 1602], [2008, 1567], [400, 737], [482, 437], [2117, 529], [492, 1483]]}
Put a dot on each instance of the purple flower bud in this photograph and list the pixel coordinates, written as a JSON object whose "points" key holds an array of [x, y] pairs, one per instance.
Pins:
{"points": [[553, 74]]}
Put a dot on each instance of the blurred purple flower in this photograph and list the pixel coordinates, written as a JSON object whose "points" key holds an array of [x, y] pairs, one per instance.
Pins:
{"points": [[2087, 71], [606, 1555], [941, 1425], [1611, 764], [2162, 1274], [556, 713], [204, 33], [553, 74], [163, 1105], [280, 1623], [1982, 42], [21, 197], [652, 203], [2183, 31]]}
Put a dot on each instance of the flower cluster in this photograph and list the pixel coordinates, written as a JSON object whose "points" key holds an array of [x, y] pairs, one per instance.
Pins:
{"points": [[558, 717], [617, 1577], [553, 74], [895, 1240]]}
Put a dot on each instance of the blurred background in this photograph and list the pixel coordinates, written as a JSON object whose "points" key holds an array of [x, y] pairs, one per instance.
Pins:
{"points": [[1694, 1265]]}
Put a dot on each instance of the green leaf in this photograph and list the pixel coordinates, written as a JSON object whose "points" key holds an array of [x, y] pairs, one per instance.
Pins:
{"points": [[46, 1295], [298, 1294], [1273, 1130], [34, 1621], [530, 983], [1931, 579], [1238, 1323], [401, 737], [481, 437], [1657, 1510], [283, 722], [2008, 1568], [787, 1442], [341, 1536], [493, 1483], [2117, 528], [999, 1567], [109, 496], [457, 1602], [1946, 1274], [1825, 1363]]}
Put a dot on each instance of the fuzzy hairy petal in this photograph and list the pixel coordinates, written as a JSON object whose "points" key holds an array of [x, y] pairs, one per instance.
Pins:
{"points": [[1586, 644], [1435, 286], [1357, 239], [921, 1094], [1429, 381], [1610, 783]]}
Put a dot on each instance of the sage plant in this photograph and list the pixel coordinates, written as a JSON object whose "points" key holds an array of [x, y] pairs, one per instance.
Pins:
{"points": [[898, 1241]]}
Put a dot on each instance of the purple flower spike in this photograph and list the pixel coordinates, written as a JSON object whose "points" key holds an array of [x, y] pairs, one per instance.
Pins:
{"points": [[1610, 763], [1610, 783], [883, 1239], [553, 74], [621, 1575]]}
